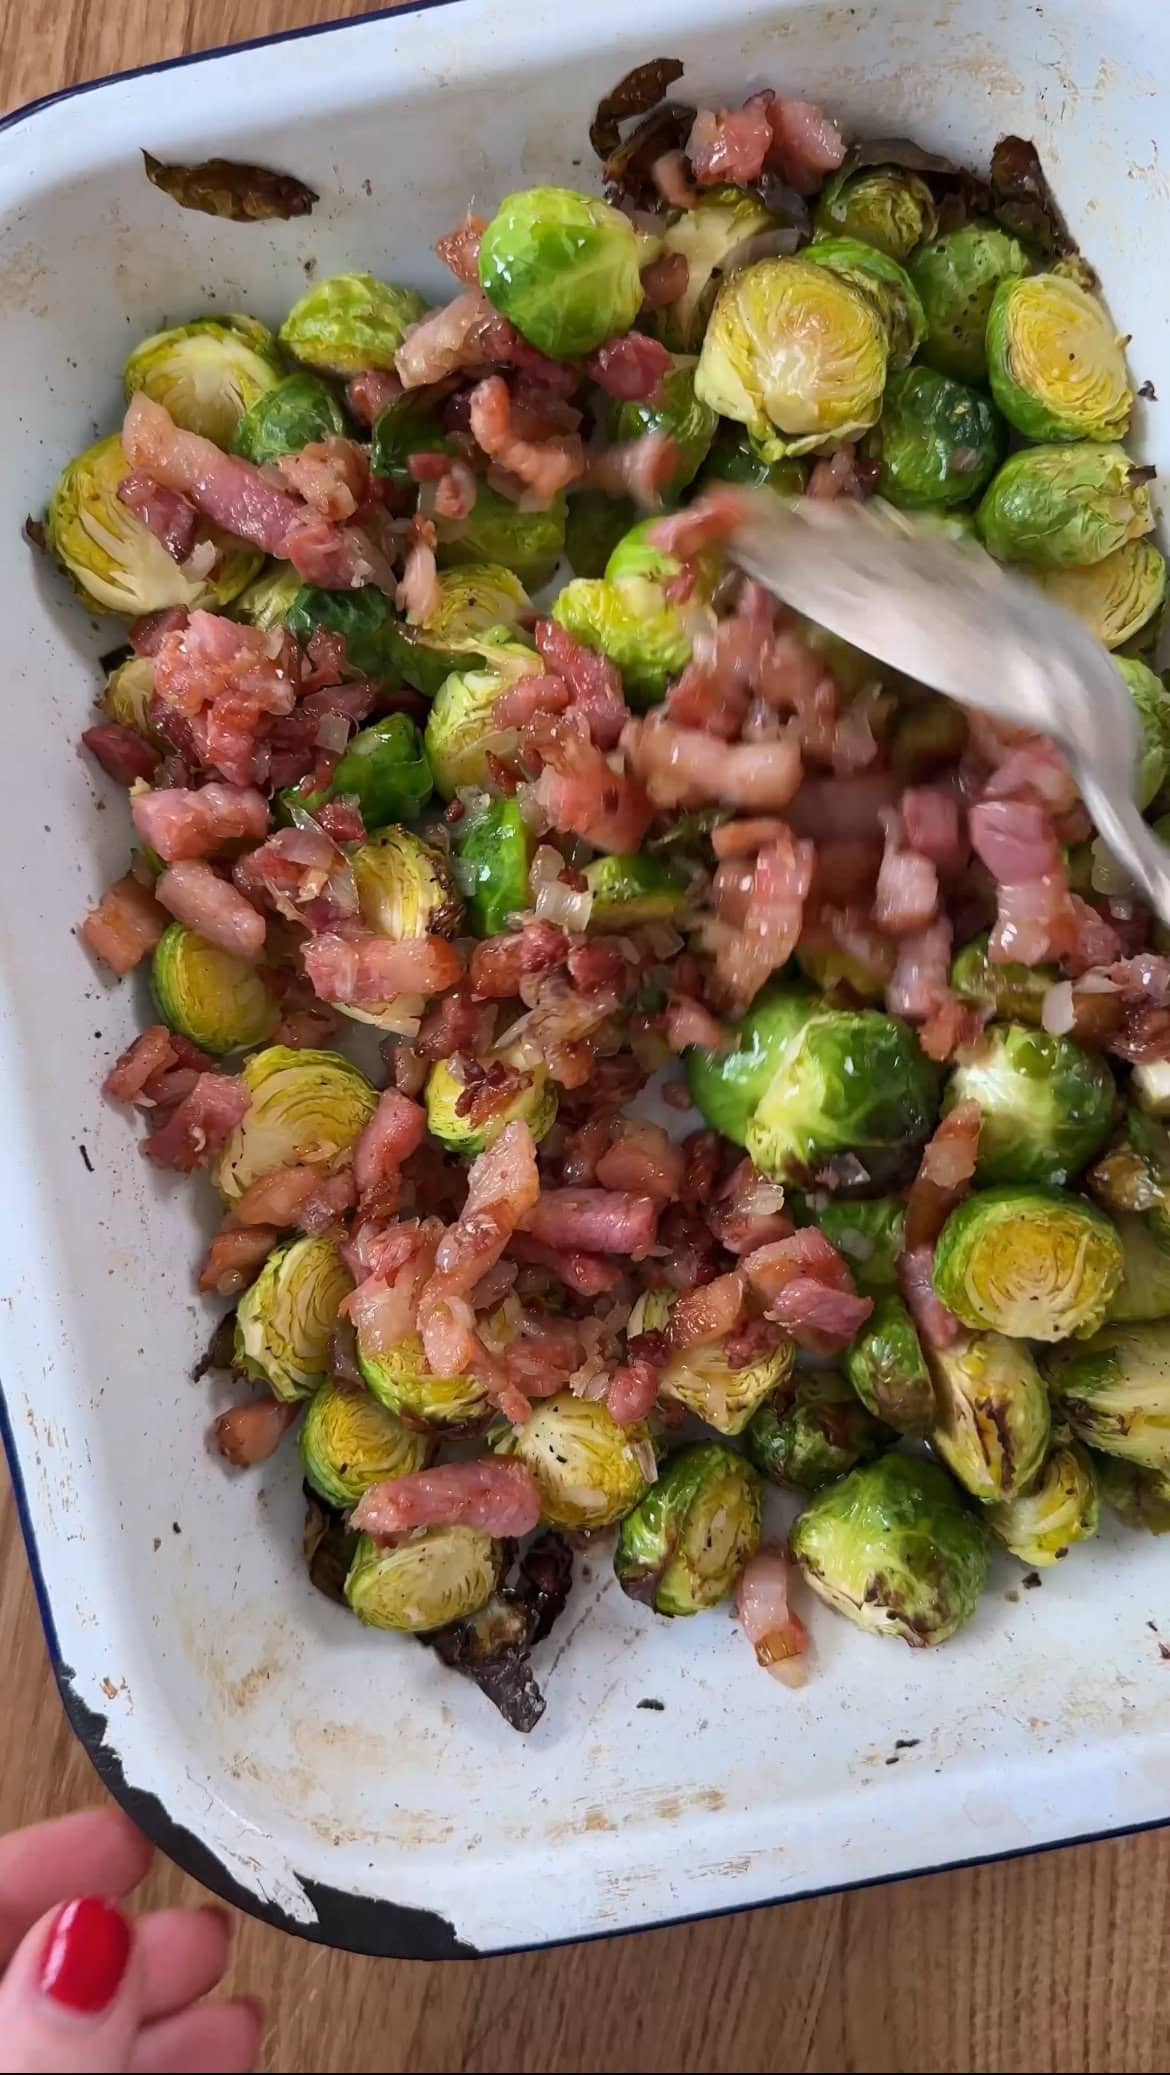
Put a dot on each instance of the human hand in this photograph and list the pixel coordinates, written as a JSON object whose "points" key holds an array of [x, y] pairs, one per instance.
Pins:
{"points": [[87, 1989]]}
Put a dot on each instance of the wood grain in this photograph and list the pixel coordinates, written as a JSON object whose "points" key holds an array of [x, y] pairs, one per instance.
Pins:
{"points": [[1057, 1962]]}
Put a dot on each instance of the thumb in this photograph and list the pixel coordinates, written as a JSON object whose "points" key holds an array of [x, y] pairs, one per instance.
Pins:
{"points": [[70, 2000]]}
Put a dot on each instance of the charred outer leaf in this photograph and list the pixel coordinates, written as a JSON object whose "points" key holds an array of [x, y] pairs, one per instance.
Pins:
{"points": [[635, 94], [627, 174], [220, 1347], [232, 189], [494, 1646], [329, 1545], [1022, 200]]}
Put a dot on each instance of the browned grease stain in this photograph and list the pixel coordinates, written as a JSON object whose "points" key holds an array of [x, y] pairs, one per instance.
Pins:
{"points": [[595, 1819]]}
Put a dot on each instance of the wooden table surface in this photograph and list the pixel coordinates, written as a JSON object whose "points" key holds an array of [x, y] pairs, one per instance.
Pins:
{"points": [[1054, 1962]]}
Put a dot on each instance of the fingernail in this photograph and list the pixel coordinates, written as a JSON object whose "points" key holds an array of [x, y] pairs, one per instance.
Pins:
{"points": [[86, 1956]]}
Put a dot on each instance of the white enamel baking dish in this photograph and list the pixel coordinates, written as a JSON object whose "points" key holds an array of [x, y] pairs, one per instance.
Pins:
{"points": [[337, 1782]]}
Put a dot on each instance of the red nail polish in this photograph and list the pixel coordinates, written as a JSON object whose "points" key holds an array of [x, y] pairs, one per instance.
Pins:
{"points": [[87, 1954]]}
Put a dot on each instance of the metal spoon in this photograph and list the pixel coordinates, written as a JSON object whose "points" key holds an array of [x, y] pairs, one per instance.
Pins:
{"points": [[943, 612]]}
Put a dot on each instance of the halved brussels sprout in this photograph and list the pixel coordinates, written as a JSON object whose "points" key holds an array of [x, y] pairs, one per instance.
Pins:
{"points": [[870, 1236], [217, 1001], [349, 1441], [350, 322], [938, 441], [1055, 362], [1152, 706], [851, 1098], [702, 1379], [635, 625], [285, 1320], [479, 609], [115, 561], [685, 1544], [589, 1470], [1015, 991], [636, 554], [1060, 505], [1037, 1264], [306, 1108], [594, 524], [1062, 1507], [734, 459], [956, 277], [563, 268], [461, 729], [1047, 1104], [722, 220], [128, 692], [895, 1548], [887, 1368], [269, 600], [886, 283], [1141, 1498], [1115, 598], [628, 891], [1114, 1391], [405, 887], [815, 1434], [676, 411], [728, 1086], [364, 617], [796, 353], [206, 374], [497, 531], [992, 1420], [440, 1575], [491, 868], [885, 206], [409, 425], [300, 410], [534, 1104], [1144, 1292], [385, 768], [404, 1382]]}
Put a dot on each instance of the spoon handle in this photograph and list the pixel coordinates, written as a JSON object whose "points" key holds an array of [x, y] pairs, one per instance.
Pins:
{"points": [[1132, 842]]}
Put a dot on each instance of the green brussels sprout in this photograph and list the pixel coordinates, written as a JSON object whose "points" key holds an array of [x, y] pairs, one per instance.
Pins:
{"points": [[1047, 1104], [852, 1097], [628, 891], [678, 412], [364, 617], [870, 1235], [1144, 1292], [685, 1544], [300, 410], [285, 1320], [129, 689], [1152, 706], [814, 1436], [269, 600], [534, 1103], [385, 768], [1115, 598], [528, 543], [845, 981], [721, 222], [594, 524], [929, 733], [403, 1381], [887, 284], [1037, 1264], [217, 1001], [884, 206], [728, 1086], [637, 555], [1141, 1498], [405, 887], [479, 608], [306, 1109], [702, 1379], [992, 1420], [1134, 1175], [1059, 505], [633, 623], [733, 459], [796, 353], [440, 1575], [461, 729], [896, 1549], [887, 1368], [206, 374], [956, 277], [1114, 1391], [563, 268], [1054, 361], [491, 867], [407, 426], [349, 323], [349, 1441], [1062, 1507], [590, 1471], [937, 440], [115, 561], [1015, 991]]}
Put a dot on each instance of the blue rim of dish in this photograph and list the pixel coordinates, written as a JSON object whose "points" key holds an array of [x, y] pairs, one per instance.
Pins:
{"points": [[356, 1923]]}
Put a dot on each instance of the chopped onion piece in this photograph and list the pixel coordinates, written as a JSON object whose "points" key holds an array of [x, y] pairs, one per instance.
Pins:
{"points": [[1058, 1011], [332, 731], [1106, 874]]}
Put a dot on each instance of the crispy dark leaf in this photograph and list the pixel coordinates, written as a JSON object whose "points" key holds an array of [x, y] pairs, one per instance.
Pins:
{"points": [[897, 151], [1022, 200], [545, 1578], [493, 1646], [783, 201], [221, 1345], [34, 533], [232, 189], [329, 1546], [627, 170], [635, 94]]}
